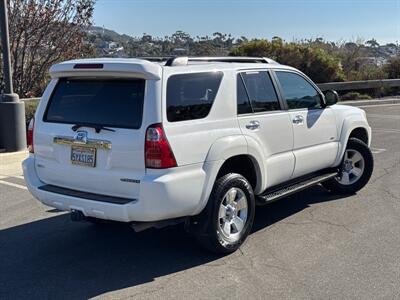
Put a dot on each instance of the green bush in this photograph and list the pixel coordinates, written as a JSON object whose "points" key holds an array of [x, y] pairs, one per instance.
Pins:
{"points": [[393, 68], [367, 72], [319, 65], [354, 96]]}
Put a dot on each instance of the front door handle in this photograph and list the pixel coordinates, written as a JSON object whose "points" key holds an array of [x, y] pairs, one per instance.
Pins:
{"points": [[298, 120], [253, 125]]}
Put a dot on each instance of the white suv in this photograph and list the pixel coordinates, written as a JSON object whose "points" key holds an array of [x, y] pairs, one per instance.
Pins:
{"points": [[197, 140]]}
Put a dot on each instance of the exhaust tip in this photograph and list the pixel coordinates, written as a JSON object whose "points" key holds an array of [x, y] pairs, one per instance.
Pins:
{"points": [[77, 215]]}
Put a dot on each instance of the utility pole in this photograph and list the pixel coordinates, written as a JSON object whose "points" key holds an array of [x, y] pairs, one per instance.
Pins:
{"points": [[12, 110]]}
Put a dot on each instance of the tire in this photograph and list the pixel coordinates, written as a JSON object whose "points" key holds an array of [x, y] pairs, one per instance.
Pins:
{"points": [[355, 170], [229, 215]]}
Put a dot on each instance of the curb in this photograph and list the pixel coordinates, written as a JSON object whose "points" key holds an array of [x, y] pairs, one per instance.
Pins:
{"points": [[371, 102], [13, 157], [10, 163]]}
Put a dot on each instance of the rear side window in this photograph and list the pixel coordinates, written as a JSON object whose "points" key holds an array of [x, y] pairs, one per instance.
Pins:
{"points": [[113, 103], [261, 91], [190, 96], [243, 103]]}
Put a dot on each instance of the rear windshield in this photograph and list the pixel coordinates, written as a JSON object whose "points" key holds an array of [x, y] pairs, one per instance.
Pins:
{"points": [[113, 103], [190, 96]]}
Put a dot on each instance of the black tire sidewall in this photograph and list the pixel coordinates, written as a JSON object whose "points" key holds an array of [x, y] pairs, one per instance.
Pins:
{"points": [[221, 187], [335, 186]]}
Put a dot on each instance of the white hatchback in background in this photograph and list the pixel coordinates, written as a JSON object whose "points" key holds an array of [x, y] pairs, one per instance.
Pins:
{"points": [[198, 140]]}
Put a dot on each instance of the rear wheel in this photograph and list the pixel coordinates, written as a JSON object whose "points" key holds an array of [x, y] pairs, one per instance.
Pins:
{"points": [[231, 213], [355, 171]]}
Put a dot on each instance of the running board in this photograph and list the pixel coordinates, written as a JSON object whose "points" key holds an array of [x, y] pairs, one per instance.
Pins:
{"points": [[275, 194]]}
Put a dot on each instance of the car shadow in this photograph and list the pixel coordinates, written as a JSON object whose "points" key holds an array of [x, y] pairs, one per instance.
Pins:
{"points": [[55, 258], [274, 212]]}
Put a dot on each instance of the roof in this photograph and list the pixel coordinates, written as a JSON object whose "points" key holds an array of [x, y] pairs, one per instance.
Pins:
{"points": [[151, 67]]}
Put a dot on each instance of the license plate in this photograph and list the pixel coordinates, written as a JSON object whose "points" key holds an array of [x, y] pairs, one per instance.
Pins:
{"points": [[83, 156]]}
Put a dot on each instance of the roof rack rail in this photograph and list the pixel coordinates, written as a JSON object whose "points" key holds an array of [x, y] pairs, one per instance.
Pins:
{"points": [[234, 59], [154, 58], [183, 60]]}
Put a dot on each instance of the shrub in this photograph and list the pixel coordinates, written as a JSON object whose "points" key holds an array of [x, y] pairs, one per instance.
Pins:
{"points": [[367, 72], [393, 68], [354, 96], [319, 65]]}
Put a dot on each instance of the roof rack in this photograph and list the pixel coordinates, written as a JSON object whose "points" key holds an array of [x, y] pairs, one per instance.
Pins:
{"points": [[183, 60], [234, 59], [154, 58]]}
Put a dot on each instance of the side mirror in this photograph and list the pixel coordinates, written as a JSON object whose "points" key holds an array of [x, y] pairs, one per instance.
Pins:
{"points": [[331, 97]]}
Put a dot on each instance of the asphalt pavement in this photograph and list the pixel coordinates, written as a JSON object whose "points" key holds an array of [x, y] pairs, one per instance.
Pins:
{"points": [[312, 245]]}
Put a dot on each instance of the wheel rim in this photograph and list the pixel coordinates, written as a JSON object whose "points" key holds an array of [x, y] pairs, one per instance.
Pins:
{"points": [[233, 213], [352, 167]]}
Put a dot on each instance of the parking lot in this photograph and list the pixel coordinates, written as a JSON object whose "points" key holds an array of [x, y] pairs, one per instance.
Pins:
{"points": [[312, 245]]}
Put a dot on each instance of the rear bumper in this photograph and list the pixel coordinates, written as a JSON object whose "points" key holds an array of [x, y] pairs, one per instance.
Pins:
{"points": [[163, 195]]}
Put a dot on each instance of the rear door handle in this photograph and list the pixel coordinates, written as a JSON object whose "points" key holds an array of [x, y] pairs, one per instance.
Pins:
{"points": [[298, 119], [253, 125]]}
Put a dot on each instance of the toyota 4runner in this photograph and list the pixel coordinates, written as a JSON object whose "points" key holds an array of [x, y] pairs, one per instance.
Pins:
{"points": [[203, 140]]}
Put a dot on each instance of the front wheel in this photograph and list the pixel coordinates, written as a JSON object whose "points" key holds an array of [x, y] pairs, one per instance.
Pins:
{"points": [[355, 171], [231, 206]]}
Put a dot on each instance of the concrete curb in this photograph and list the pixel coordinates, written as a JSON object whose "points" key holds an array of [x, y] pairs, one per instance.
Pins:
{"points": [[10, 163], [371, 102], [10, 157]]}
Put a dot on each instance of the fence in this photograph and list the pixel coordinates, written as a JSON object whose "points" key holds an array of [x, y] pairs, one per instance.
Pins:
{"points": [[340, 86], [359, 85]]}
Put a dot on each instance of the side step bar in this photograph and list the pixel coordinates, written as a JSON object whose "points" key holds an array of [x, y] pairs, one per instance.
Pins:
{"points": [[273, 194]]}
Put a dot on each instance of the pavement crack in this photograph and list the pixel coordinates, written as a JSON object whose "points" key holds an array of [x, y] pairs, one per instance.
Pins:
{"points": [[390, 193], [296, 223], [387, 171], [318, 220]]}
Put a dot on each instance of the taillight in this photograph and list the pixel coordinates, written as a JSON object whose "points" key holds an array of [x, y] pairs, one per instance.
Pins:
{"points": [[31, 128], [88, 66], [158, 152]]}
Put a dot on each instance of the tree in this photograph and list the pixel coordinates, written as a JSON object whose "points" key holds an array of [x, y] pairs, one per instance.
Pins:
{"points": [[315, 62], [349, 53], [393, 68], [44, 32], [372, 43]]}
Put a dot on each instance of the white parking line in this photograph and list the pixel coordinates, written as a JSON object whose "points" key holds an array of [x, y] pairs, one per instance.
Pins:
{"points": [[388, 130], [394, 117], [13, 185], [377, 150]]}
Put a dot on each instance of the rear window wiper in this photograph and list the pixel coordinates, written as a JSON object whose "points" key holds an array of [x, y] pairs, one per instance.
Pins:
{"points": [[97, 128]]}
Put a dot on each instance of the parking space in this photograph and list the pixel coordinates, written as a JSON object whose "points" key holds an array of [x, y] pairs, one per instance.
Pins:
{"points": [[310, 245]]}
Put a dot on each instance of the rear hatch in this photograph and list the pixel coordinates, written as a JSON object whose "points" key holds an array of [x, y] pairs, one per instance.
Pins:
{"points": [[89, 135]]}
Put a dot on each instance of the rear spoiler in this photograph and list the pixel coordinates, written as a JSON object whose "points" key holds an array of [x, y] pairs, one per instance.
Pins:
{"points": [[126, 68]]}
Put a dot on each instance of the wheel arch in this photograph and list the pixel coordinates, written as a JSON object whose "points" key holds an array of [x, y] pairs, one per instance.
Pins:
{"points": [[224, 152], [244, 165], [353, 126], [360, 133]]}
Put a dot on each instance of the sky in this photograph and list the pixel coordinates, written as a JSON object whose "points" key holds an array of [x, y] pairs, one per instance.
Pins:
{"points": [[333, 20]]}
